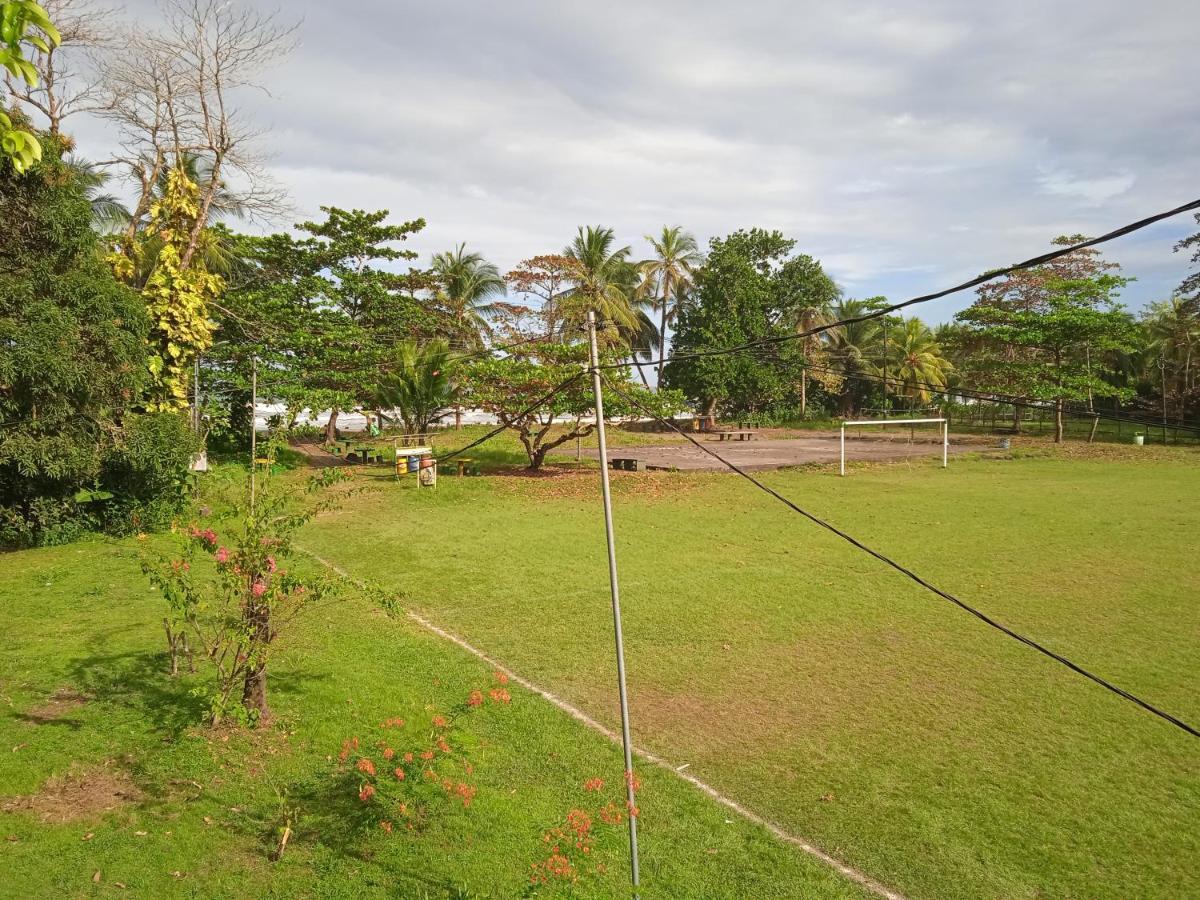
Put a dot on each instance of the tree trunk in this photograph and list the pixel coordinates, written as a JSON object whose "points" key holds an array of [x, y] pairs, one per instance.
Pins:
{"points": [[254, 690], [1016, 426], [457, 417], [1058, 420], [331, 426], [536, 458], [1095, 425], [662, 334]]}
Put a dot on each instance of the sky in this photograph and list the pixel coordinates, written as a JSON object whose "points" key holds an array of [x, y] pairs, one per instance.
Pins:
{"points": [[906, 146]]}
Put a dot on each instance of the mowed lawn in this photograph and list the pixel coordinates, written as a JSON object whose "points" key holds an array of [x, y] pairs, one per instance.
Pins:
{"points": [[108, 787], [830, 694]]}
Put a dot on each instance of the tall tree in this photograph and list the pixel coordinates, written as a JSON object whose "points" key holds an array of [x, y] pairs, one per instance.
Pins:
{"points": [[920, 364], [72, 350], [667, 278], [1173, 332], [604, 284], [854, 348], [749, 288], [468, 286], [1052, 331], [422, 384]]}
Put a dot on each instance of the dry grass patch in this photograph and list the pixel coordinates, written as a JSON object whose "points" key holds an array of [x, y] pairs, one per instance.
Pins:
{"points": [[78, 795]]}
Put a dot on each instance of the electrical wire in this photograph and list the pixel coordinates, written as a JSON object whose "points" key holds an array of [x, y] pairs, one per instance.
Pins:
{"points": [[937, 295], [913, 576]]}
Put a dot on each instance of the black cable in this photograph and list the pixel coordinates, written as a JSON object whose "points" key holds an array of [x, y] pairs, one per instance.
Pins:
{"points": [[924, 298], [983, 617], [502, 426]]}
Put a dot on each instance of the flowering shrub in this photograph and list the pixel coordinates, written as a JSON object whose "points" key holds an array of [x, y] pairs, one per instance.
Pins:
{"points": [[572, 844], [234, 606], [410, 773]]}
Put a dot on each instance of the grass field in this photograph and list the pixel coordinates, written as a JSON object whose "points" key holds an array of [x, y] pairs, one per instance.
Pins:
{"points": [[836, 698], [789, 671]]}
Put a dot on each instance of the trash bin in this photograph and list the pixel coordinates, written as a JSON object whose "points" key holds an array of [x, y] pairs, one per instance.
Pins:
{"points": [[414, 463], [1139, 439], [428, 473], [1005, 443]]}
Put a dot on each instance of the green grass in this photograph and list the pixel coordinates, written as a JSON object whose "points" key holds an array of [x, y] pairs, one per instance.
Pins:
{"points": [[83, 617], [832, 695]]}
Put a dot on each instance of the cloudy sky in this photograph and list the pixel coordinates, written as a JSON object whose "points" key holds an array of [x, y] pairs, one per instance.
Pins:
{"points": [[907, 146]]}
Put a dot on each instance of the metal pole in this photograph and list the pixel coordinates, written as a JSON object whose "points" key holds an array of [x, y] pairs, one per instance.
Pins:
{"points": [[196, 397], [253, 424], [843, 446], [945, 442], [616, 602]]}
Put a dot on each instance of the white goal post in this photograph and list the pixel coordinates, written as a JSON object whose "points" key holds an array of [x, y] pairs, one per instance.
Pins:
{"points": [[853, 422]]}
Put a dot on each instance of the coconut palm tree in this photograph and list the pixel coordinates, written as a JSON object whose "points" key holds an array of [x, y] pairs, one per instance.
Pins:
{"points": [[921, 365], [468, 286], [108, 213], [605, 285], [422, 387], [667, 278], [853, 345]]}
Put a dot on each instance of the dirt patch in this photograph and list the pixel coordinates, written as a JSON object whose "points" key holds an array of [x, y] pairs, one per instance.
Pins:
{"points": [[584, 484], [61, 702], [78, 795]]}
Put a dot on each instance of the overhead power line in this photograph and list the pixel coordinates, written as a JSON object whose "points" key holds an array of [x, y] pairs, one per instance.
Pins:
{"points": [[1031, 263], [913, 576]]}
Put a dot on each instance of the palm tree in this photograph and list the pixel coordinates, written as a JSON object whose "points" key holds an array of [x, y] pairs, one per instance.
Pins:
{"points": [[605, 285], [921, 365], [422, 386], [668, 278], [1173, 327], [108, 213], [469, 285], [805, 318], [853, 345]]}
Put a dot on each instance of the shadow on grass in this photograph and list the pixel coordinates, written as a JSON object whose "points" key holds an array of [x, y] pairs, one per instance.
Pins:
{"points": [[138, 681]]}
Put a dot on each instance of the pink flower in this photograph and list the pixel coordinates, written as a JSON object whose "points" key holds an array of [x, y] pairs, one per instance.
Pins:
{"points": [[222, 555], [258, 589], [270, 564]]}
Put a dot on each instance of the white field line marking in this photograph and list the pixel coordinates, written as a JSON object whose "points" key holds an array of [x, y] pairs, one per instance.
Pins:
{"points": [[579, 715]]}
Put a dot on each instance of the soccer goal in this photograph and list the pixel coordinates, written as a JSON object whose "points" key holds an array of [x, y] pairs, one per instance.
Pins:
{"points": [[852, 423]]}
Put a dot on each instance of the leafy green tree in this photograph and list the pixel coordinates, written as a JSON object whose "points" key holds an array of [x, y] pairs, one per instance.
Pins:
{"points": [[323, 314], [22, 22], [667, 278], [508, 386], [1054, 340], [854, 350], [750, 288], [422, 385], [72, 352]]}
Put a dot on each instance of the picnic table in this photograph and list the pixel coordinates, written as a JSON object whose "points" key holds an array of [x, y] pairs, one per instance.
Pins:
{"points": [[740, 434]]}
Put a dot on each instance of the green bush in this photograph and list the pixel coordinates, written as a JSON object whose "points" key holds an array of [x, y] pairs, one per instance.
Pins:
{"points": [[147, 473]]}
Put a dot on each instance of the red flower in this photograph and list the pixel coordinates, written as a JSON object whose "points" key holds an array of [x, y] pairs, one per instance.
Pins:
{"points": [[499, 695], [399, 773], [386, 826], [366, 793], [439, 721], [258, 589], [271, 564], [442, 745], [408, 757], [633, 781], [428, 754], [476, 699], [593, 784], [388, 753], [500, 677], [222, 555], [365, 765]]}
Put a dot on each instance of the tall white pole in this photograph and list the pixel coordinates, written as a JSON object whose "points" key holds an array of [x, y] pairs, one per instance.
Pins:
{"points": [[945, 442], [843, 448], [616, 602], [253, 424]]}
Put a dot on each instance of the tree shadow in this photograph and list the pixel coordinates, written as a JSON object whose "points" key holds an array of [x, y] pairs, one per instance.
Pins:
{"points": [[138, 681]]}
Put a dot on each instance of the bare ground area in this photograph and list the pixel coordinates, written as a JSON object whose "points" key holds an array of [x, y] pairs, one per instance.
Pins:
{"points": [[814, 447], [78, 795]]}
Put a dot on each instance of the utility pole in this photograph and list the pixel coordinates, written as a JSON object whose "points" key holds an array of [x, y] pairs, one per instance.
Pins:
{"points": [[253, 424], [616, 603]]}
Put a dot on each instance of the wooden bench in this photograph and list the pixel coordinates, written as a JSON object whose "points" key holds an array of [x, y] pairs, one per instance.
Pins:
{"points": [[628, 464], [736, 434]]}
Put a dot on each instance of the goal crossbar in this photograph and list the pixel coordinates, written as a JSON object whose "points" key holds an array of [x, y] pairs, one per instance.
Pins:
{"points": [[851, 422]]}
